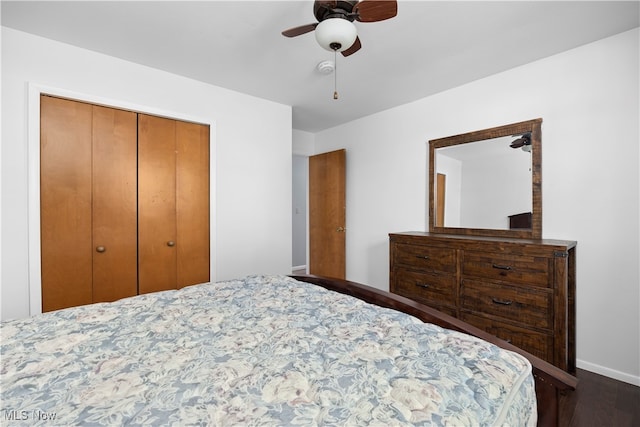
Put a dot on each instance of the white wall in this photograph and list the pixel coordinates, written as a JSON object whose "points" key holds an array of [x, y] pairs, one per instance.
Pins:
{"points": [[589, 100], [303, 143], [251, 169], [495, 188]]}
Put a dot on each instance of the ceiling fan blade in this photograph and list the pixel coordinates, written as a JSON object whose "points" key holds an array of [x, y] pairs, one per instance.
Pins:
{"points": [[297, 31], [353, 48], [375, 10]]}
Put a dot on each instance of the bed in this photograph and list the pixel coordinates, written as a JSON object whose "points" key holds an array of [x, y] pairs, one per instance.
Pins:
{"points": [[267, 350]]}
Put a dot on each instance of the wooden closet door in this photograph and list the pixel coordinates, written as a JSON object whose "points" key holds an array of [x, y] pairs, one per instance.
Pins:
{"points": [[157, 238], [65, 203], [115, 242], [192, 203]]}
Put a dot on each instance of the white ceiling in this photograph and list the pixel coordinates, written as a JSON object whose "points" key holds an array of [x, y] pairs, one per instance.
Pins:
{"points": [[429, 47]]}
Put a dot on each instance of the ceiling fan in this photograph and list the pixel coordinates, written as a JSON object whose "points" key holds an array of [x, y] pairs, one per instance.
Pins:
{"points": [[335, 30]]}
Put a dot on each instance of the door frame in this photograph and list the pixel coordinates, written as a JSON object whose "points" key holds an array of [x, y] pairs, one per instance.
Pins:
{"points": [[35, 90]]}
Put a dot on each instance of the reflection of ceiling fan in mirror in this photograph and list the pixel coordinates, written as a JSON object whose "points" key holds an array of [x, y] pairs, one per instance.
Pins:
{"points": [[523, 142], [335, 30]]}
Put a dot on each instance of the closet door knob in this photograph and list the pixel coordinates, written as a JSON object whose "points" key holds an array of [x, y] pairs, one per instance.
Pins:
{"points": [[101, 249], [171, 243]]}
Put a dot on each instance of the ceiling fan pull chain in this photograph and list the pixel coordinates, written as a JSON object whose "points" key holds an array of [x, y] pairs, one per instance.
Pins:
{"points": [[335, 74]]}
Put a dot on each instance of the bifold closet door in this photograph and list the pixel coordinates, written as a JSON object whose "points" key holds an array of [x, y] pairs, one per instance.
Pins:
{"points": [[192, 203], [87, 203], [173, 203], [115, 243], [124, 203], [65, 203], [156, 204]]}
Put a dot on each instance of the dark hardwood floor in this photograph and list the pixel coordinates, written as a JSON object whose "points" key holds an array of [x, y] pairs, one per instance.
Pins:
{"points": [[600, 402]]}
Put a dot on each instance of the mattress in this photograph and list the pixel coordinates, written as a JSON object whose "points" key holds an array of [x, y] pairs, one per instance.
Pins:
{"points": [[262, 350]]}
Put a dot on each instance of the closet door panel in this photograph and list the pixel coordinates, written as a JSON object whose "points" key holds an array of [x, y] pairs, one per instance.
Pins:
{"points": [[157, 238], [192, 203], [115, 243], [65, 203]]}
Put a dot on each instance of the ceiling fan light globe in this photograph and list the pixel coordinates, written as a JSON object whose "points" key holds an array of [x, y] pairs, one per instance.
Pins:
{"points": [[336, 34]]}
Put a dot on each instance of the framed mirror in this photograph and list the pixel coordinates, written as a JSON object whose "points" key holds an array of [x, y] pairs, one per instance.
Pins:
{"points": [[487, 182]]}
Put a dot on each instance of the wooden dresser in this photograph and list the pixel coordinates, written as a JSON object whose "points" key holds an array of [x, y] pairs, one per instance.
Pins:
{"points": [[520, 290]]}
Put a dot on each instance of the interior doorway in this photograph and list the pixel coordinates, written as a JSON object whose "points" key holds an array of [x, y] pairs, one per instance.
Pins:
{"points": [[327, 214], [300, 178]]}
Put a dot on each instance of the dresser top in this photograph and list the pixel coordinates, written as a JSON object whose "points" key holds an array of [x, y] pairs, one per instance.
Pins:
{"points": [[449, 238]]}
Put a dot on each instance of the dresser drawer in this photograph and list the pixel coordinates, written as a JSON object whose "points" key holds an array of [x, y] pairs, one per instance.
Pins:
{"points": [[511, 268], [426, 257], [529, 306], [425, 287], [536, 343]]}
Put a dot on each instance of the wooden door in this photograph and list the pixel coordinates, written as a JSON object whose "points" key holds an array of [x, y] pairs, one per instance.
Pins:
{"points": [[65, 203], [192, 203], [124, 203], [88, 203], [156, 204], [114, 207], [327, 214], [173, 203]]}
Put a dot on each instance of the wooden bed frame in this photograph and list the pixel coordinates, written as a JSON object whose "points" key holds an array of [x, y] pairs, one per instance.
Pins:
{"points": [[550, 380]]}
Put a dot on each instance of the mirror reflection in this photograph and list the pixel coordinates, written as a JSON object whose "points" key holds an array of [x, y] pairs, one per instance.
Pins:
{"points": [[485, 184], [488, 182]]}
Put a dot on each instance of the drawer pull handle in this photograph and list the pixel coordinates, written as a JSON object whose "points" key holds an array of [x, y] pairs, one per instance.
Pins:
{"points": [[422, 256], [501, 301], [422, 285], [501, 267]]}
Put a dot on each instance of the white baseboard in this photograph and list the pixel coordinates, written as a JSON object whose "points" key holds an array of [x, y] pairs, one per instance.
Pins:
{"points": [[608, 372], [299, 267]]}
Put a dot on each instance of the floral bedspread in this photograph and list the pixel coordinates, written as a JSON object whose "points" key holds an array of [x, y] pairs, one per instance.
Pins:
{"points": [[264, 350]]}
